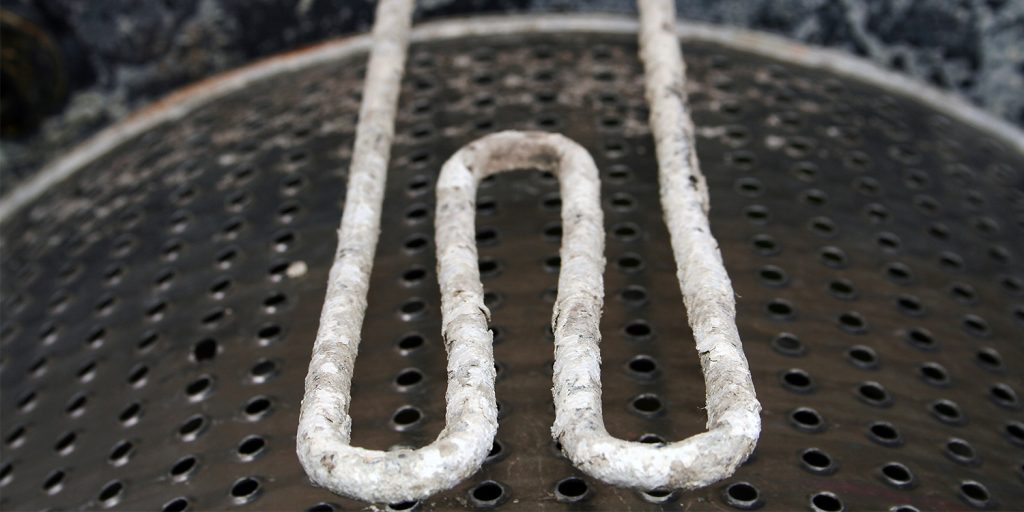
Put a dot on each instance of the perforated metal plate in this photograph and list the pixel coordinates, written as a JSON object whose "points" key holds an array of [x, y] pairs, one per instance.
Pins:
{"points": [[159, 307]]}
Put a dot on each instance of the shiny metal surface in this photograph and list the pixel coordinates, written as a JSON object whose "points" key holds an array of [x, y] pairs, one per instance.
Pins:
{"points": [[158, 308]]}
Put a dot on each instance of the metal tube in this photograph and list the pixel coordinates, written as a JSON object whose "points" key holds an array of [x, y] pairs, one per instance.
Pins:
{"points": [[734, 422]]}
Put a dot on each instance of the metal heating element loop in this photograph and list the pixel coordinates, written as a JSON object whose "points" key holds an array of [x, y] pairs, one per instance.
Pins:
{"points": [[403, 474]]}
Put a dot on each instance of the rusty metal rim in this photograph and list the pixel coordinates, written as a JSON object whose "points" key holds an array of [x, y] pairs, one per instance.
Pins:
{"points": [[180, 103]]}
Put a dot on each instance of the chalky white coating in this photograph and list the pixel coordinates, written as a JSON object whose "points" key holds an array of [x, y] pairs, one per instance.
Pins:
{"points": [[734, 421], [325, 426]]}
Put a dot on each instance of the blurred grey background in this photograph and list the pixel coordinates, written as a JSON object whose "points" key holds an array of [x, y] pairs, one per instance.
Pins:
{"points": [[71, 67]]}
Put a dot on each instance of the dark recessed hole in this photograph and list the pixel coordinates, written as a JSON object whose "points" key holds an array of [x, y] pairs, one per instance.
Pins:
{"points": [[268, 333], [638, 329], [976, 326], [939, 231], [946, 411], [823, 226], [1015, 432], [497, 452], [651, 439], [553, 232], [486, 236], [742, 495], [765, 245], [488, 267], [805, 171], [486, 206], [789, 345], [862, 356], [192, 427], [921, 338], [66, 443], [410, 342], [833, 257], [121, 453], [257, 407], [251, 446], [214, 317], [874, 393], [909, 305], [199, 388], [740, 159], [76, 405], [130, 415], [807, 419], [772, 275], [183, 467], [961, 451], [1000, 254], [975, 494], [263, 370], [404, 505], [643, 367], [748, 187], [413, 276], [934, 374], [898, 272], [204, 350], [54, 482], [625, 231], [889, 242], [990, 359], [852, 322], [412, 308], [780, 309], [926, 204], [876, 213], [797, 380], [963, 292], [817, 461], [552, 264], [647, 404], [659, 496], [634, 295], [218, 289], [487, 494], [96, 337], [951, 261], [408, 377], [814, 196], [756, 213], [552, 202], [630, 263], [572, 490], [884, 433], [110, 493], [1004, 395], [826, 502], [245, 489], [406, 417], [897, 475], [842, 289]]}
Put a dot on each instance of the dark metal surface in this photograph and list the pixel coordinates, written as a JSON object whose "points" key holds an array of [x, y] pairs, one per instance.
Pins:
{"points": [[159, 308]]}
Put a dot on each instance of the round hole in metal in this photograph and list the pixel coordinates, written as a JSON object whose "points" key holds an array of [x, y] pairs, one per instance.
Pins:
{"points": [[572, 490], [742, 495]]}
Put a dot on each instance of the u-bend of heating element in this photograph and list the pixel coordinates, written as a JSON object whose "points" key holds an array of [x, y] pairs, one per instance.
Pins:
{"points": [[734, 421], [325, 425], [324, 430]]}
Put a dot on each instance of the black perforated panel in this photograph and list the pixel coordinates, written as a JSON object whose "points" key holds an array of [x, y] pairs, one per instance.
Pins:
{"points": [[159, 307]]}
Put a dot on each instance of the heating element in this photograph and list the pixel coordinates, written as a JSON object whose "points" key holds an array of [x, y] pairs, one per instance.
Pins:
{"points": [[160, 293]]}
